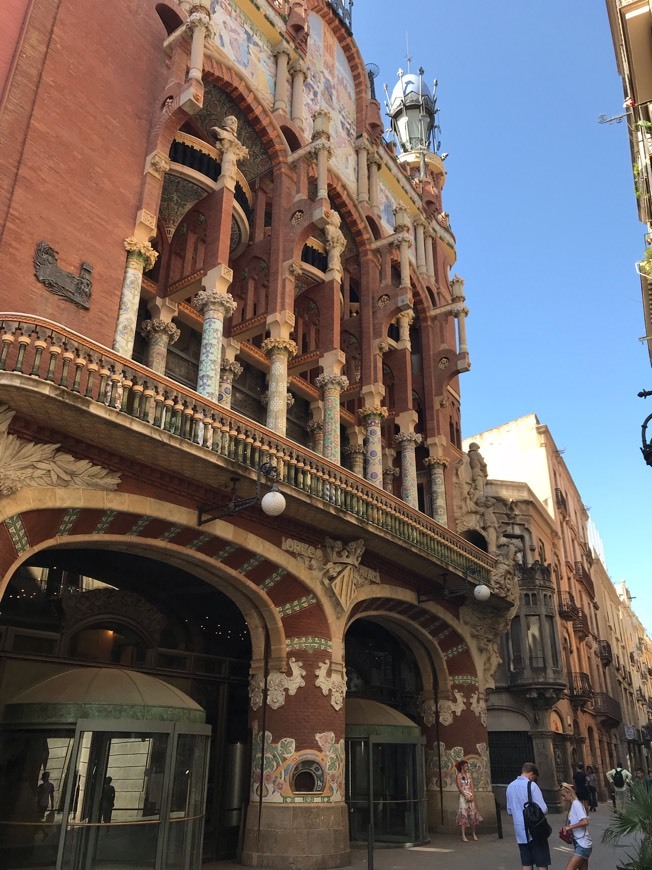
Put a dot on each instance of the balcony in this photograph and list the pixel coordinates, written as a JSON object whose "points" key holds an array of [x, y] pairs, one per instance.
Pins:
{"points": [[605, 652], [607, 709], [81, 384], [584, 577], [568, 610], [560, 501], [640, 695], [580, 690], [581, 624]]}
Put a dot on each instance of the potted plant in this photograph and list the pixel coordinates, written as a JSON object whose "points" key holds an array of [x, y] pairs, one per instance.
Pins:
{"points": [[635, 818], [645, 265]]}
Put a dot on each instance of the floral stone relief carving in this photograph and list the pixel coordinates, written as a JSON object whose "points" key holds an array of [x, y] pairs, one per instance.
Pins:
{"points": [[335, 684], [278, 684], [24, 464], [273, 763]]}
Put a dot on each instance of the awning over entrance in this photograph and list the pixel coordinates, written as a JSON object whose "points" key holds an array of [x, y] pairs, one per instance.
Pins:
{"points": [[365, 718]]}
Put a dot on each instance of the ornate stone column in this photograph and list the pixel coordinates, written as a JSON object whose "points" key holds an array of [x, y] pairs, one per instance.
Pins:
{"points": [[404, 241], [430, 257], [282, 54], [199, 23], [407, 442], [298, 70], [374, 191], [230, 370], [420, 227], [160, 334], [332, 386], [356, 452], [405, 321], [140, 256], [363, 171], [389, 476], [437, 466], [460, 313], [278, 351], [215, 305], [372, 419], [316, 430]]}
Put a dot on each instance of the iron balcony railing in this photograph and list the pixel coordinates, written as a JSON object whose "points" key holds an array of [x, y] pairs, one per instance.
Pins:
{"points": [[567, 607], [581, 624], [44, 351], [605, 652], [560, 501], [579, 687], [583, 575], [607, 707]]}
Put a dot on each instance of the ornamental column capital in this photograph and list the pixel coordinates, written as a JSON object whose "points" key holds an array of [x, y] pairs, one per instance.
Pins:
{"points": [[150, 328], [281, 48], [141, 251], [338, 382], [373, 414], [298, 67], [315, 426], [407, 315], [460, 311], [215, 300], [354, 449], [284, 345], [199, 17], [231, 367], [403, 438], [431, 461]]}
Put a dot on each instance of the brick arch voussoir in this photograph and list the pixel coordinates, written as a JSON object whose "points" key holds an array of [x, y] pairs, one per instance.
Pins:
{"points": [[256, 112], [448, 633]]}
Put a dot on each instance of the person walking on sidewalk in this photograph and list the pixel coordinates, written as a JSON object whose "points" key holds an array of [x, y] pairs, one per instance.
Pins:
{"points": [[619, 778], [592, 779], [533, 853], [467, 813], [581, 785], [577, 824]]}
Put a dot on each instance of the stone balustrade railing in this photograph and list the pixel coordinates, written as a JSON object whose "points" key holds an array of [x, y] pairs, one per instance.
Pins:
{"points": [[40, 349]]}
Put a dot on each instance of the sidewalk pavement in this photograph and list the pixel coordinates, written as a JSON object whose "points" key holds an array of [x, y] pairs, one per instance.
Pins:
{"points": [[447, 852]]}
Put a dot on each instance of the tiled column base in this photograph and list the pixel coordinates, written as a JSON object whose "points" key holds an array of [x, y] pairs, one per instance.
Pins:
{"points": [[299, 836]]}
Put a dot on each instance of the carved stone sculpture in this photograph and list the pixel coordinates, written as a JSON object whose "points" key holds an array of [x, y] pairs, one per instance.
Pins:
{"points": [[231, 148], [75, 288], [335, 241]]}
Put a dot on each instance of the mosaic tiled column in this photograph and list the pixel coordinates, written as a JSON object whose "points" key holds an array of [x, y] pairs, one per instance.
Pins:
{"points": [[389, 476], [407, 441], [215, 306], [229, 371], [372, 419], [316, 430], [140, 256], [356, 455], [278, 351], [160, 334], [437, 466], [332, 386]]}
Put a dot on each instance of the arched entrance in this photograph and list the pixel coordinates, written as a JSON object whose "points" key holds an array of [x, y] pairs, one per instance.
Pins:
{"points": [[102, 606], [385, 748]]}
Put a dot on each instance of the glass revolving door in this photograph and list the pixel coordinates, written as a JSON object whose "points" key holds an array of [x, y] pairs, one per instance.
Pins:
{"points": [[119, 791]]}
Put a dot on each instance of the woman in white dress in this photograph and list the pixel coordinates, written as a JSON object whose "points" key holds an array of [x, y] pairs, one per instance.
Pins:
{"points": [[467, 813]]}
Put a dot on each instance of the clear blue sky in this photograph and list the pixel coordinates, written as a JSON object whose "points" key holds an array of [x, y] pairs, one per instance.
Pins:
{"points": [[542, 204]]}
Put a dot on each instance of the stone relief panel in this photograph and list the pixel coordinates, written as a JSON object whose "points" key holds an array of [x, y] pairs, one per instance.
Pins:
{"points": [[75, 288], [278, 684], [273, 763], [241, 41], [329, 85], [335, 685], [25, 464], [336, 565]]}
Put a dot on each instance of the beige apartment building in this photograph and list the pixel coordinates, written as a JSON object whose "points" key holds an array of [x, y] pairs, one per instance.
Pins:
{"points": [[574, 682]]}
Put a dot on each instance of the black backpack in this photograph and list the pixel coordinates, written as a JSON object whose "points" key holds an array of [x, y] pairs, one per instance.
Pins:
{"points": [[619, 779], [536, 823]]}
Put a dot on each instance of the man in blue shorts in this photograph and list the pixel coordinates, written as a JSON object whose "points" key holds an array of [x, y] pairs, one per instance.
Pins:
{"points": [[532, 854]]}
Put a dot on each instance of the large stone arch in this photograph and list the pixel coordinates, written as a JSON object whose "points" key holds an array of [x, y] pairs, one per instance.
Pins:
{"points": [[263, 581]]}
